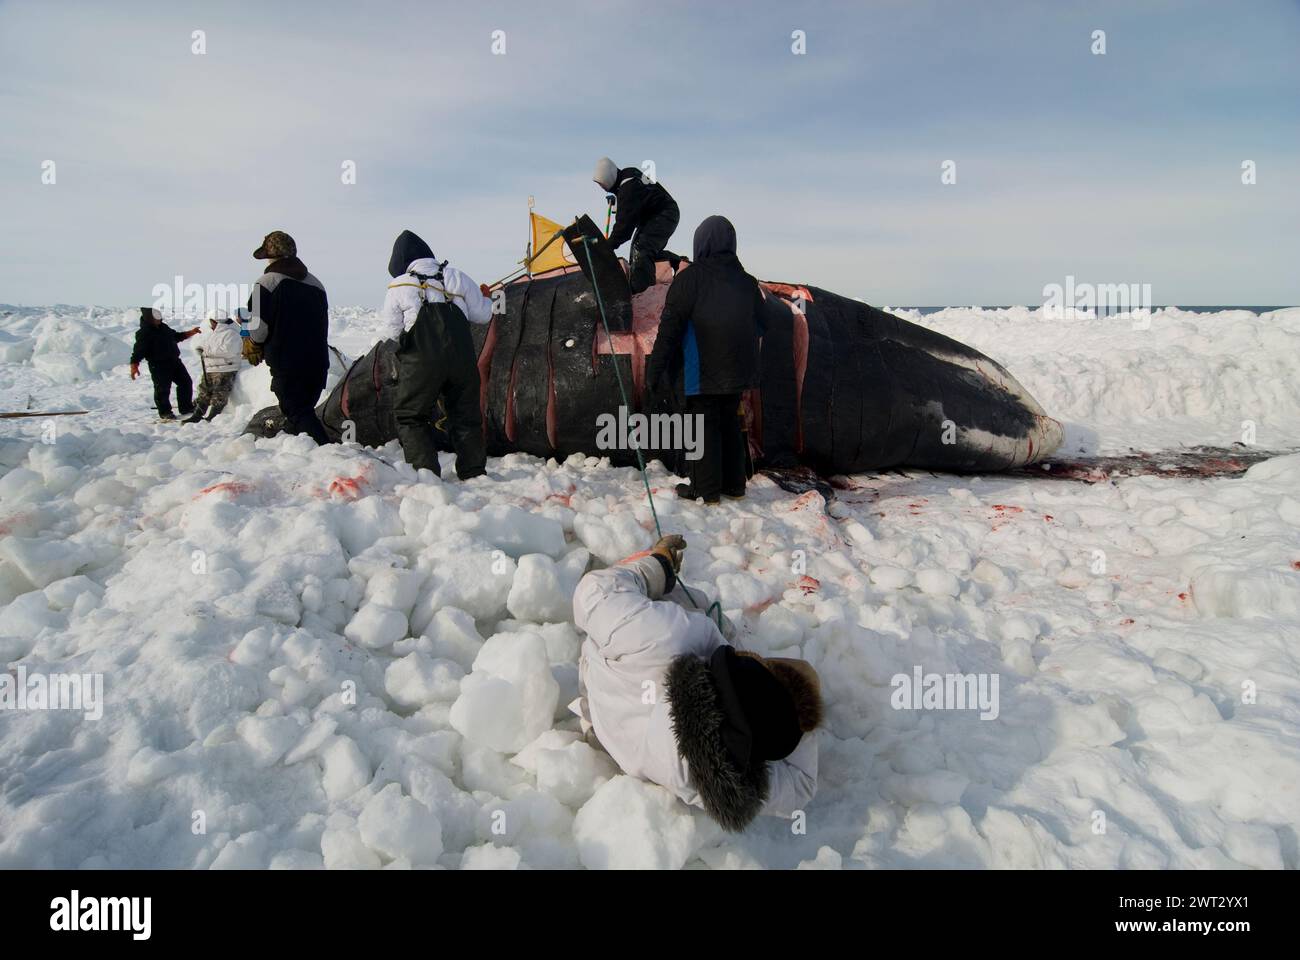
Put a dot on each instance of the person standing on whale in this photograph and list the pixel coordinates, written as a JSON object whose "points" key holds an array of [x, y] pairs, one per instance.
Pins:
{"points": [[427, 310], [643, 207]]}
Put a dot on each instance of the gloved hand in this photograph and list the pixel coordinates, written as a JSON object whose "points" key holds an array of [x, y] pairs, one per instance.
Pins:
{"points": [[670, 548], [611, 199], [484, 289], [135, 370]]}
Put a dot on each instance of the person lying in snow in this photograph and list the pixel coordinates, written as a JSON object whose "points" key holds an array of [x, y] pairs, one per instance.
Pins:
{"points": [[673, 703], [220, 351], [158, 345]]}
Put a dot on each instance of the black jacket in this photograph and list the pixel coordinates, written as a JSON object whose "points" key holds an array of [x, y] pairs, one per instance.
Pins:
{"points": [[638, 201], [712, 319], [157, 345], [294, 314]]}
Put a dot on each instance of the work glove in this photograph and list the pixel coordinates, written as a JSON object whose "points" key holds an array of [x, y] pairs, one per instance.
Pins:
{"points": [[484, 289], [251, 351], [670, 548], [135, 370]]}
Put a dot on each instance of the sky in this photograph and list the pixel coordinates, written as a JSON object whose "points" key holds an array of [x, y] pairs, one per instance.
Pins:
{"points": [[1122, 167]]}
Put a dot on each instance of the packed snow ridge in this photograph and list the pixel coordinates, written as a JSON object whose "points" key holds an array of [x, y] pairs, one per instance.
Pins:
{"points": [[311, 657]]}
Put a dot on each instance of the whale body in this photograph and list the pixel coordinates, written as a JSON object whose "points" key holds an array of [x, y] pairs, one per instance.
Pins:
{"points": [[844, 387]]}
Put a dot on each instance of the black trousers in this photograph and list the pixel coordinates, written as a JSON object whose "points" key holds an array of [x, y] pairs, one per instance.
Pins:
{"points": [[297, 395], [437, 361], [164, 376], [721, 469], [650, 240]]}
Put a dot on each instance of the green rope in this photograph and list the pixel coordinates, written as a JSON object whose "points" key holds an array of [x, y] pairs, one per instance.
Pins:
{"points": [[715, 608]]}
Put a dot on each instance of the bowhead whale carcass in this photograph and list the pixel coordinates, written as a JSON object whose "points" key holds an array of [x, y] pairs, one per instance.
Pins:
{"points": [[845, 387]]}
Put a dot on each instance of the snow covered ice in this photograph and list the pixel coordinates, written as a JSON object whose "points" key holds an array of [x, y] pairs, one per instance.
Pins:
{"points": [[328, 662]]}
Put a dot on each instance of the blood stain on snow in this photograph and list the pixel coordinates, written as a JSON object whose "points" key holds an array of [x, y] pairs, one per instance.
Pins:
{"points": [[564, 499], [347, 488], [1295, 564], [232, 487], [1182, 596], [1047, 517], [1003, 506], [806, 500], [7, 524], [808, 585]]}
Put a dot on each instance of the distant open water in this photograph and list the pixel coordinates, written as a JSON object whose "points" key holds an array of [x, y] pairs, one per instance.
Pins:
{"points": [[1163, 306]]}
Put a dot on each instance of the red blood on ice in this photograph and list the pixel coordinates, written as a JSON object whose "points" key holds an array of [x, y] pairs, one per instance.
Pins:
{"points": [[1047, 517], [7, 524], [347, 488], [232, 487], [809, 585], [1295, 564]]}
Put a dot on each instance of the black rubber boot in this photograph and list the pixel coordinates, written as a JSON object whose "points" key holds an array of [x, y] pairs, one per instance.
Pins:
{"points": [[687, 492]]}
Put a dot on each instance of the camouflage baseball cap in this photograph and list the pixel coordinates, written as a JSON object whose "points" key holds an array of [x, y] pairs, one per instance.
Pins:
{"points": [[275, 245]]}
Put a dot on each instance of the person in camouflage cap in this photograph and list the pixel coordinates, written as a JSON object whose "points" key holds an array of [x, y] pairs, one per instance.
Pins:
{"points": [[275, 245], [289, 319]]}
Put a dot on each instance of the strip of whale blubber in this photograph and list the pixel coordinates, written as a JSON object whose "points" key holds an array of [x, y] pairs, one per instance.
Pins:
{"points": [[532, 374], [778, 385], [509, 333]]}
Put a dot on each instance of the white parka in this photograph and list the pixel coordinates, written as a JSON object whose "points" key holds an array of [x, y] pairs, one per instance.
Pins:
{"points": [[221, 348], [406, 293], [631, 639]]}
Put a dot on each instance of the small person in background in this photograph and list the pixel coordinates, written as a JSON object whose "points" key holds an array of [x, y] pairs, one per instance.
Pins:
{"points": [[219, 353], [673, 703], [159, 345]]}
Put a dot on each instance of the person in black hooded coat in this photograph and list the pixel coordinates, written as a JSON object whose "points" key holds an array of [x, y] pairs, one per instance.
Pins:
{"points": [[158, 345], [709, 330], [427, 310]]}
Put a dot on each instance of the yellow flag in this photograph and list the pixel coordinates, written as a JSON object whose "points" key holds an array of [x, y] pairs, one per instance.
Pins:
{"points": [[548, 250]]}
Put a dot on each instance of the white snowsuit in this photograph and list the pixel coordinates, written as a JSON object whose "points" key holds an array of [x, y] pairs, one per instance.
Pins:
{"points": [[221, 348], [406, 294], [632, 637]]}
